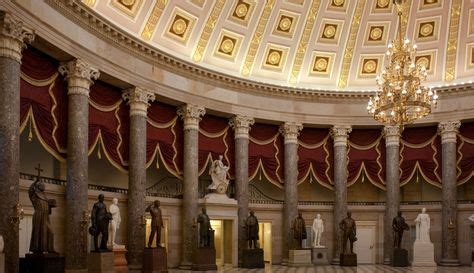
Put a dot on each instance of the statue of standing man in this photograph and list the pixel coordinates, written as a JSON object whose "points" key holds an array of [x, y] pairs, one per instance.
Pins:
{"points": [[318, 229], [252, 230], [205, 230], [348, 227], [398, 226], [299, 230], [156, 223], [116, 220], [423, 227], [100, 218]]}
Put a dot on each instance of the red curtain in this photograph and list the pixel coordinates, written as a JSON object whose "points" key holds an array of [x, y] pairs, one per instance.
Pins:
{"points": [[465, 159]]}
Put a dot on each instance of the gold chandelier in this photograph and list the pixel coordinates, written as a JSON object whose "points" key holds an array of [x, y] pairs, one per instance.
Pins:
{"points": [[401, 98]]}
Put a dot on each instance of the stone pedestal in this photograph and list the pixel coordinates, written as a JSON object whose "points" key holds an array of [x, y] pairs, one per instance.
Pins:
{"points": [[2, 262], [253, 258], [348, 259], [120, 262], [400, 257], [44, 263], [101, 262], [155, 260], [204, 259], [423, 254], [320, 255], [299, 257]]}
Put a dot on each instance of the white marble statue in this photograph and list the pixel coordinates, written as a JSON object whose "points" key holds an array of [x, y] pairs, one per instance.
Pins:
{"points": [[318, 229], [423, 227], [218, 172], [115, 222], [1, 244], [471, 218]]}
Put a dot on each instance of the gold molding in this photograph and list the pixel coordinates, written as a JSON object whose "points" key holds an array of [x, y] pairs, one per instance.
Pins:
{"points": [[304, 41], [152, 21], [257, 38], [349, 50], [89, 3], [451, 51], [207, 31]]}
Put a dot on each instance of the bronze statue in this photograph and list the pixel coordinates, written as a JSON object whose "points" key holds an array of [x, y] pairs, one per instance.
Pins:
{"points": [[252, 230], [100, 218], [205, 230], [41, 234], [348, 227], [299, 230], [398, 226], [156, 223]]}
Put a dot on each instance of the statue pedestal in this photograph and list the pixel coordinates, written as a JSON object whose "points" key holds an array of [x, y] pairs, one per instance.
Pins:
{"points": [[253, 258], [2, 262], [155, 260], [348, 259], [299, 257], [400, 257], [320, 255], [101, 262], [204, 259], [44, 263], [423, 254], [120, 262]]}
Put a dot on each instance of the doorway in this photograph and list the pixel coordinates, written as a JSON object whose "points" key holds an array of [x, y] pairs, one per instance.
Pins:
{"points": [[223, 241], [265, 240], [365, 244]]}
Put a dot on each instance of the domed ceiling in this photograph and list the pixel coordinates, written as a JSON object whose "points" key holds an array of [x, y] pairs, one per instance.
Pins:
{"points": [[314, 44]]}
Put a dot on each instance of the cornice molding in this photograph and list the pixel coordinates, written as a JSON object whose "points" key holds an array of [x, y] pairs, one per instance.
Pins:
{"points": [[85, 17]]}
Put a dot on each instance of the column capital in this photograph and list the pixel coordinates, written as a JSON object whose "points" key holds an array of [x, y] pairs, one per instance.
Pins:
{"points": [[241, 125], [340, 133], [138, 99], [448, 131], [291, 131], [13, 36], [191, 115], [392, 135], [79, 75]]}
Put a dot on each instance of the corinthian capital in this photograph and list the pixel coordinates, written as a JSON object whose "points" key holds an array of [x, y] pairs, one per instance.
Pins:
{"points": [[13, 36], [340, 133], [79, 75], [392, 135], [241, 125], [291, 131], [191, 115], [448, 131], [138, 99]]}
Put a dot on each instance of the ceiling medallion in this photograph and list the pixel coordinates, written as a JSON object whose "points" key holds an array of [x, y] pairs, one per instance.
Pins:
{"points": [[179, 26], [274, 58], [285, 24], [227, 46], [370, 66], [382, 3], [127, 2], [337, 3], [401, 98], [376, 33], [241, 10], [329, 31], [321, 64], [426, 29]]}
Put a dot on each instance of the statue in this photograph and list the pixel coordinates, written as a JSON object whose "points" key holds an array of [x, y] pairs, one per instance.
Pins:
{"points": [[2, 244], [252, 230], [115, 223], [422, 227], [156, 223], [205, 230], [348, 227], [471, 218], [218, 172], [399, 226], [100, 218], [41, 234], [318, 229], [299, 230]]}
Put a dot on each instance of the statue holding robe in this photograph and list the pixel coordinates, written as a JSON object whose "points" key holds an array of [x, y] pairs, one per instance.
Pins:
{"points": [[299, 230], [41, 234], [252, 230], [423, 227], [218, 172]]}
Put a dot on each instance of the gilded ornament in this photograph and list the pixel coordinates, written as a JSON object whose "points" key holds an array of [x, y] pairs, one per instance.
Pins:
{"points": [[321, 64], [423, 61], [274, 58], [241, 10], [127, 2], [179, 26], [376, 33], [285, 23], [370, 66], [227, 46], [329, 31], [382, 3], [338, 3], [426, 29]]}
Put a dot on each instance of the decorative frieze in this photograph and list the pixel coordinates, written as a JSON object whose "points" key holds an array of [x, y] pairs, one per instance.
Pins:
{"points": [[340, 133], [13, 36], [392, 135], [138, 99], [291, 131], [448, 131], [79, 75], [191, 115], [241, 125]]}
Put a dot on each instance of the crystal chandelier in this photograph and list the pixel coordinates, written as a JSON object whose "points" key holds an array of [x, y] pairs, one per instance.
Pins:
{"points": [[401, 98]]}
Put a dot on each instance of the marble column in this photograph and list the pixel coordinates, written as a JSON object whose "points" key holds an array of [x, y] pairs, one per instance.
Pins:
{"points": [[449, 253], [13, 36], [79, 76], [138, 101], [392, 182], [339, 133], [290, 131], [241, 125], [191, 115]]}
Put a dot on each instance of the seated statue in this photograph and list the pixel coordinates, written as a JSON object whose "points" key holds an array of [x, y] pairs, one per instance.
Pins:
{"points": [[218, 172]]}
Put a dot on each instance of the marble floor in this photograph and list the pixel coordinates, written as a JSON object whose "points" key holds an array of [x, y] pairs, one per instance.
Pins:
{"points": [[338, 269]]}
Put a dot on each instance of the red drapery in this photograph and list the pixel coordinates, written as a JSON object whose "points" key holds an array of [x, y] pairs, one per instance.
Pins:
{"points": [[465, 158]]}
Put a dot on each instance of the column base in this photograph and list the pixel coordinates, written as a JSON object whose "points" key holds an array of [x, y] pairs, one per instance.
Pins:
{"points": [[449, 262]]}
